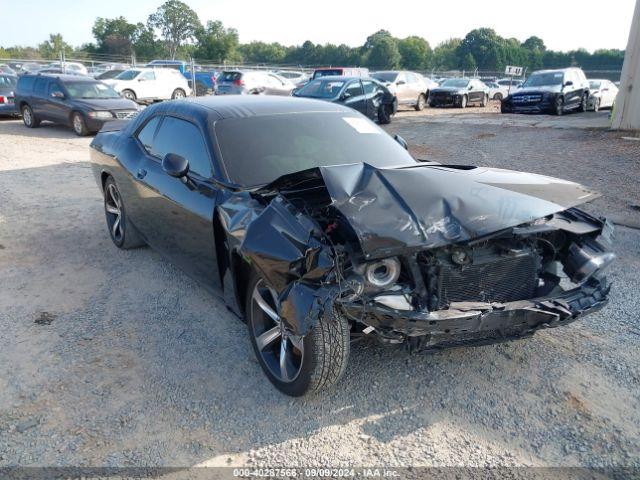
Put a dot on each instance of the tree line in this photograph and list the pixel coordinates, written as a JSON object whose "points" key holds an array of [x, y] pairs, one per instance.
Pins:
{"points": [[175, 31]]}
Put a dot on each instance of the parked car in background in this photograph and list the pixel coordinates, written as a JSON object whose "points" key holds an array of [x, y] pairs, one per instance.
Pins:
{"points": [[459, 92], [408, 87], [103, 68], [366, 95], [431, 83], [205, 78], [81, 102], [602, 94], [30, 67], [252, 82], [315, 226], [7, 94], [496, 91], [150, 84], [293, 76], [552, 91], [109, 74], [4, 68], [75, 68], [340, 72], [509, 82]]}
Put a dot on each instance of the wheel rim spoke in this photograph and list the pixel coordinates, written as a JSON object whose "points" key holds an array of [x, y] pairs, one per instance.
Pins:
{"points": [[267, 338], [112, 209], [264, 306], [284, 372], [115, 229], [296, 341]]}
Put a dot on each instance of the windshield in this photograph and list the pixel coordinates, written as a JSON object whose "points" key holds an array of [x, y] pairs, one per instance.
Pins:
{"points": [[257, 150], [594, 85], [544, 79], [128, 75], [456, 83], [385, 76], [230, 76], [90, 90], [321, 88], [7, 81]]}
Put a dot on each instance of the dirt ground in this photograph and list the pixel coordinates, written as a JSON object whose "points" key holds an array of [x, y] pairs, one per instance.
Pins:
{"points": [[112, 358]]}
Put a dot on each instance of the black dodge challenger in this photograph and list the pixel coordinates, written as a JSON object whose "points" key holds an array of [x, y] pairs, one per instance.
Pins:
{"points": [[318, 228]]}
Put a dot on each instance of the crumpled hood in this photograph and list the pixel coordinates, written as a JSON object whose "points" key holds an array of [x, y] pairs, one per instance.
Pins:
{"points": [[426, 206]]}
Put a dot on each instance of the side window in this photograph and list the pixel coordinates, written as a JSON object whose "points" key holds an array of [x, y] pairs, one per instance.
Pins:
{"points": [[25, 84], [40, 87], [147, 133], [54, 87], [185, 139], [147, 76], [354, 89], [369, 87]]}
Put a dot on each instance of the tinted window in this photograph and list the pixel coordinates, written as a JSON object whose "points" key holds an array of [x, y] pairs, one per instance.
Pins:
{"points": [[40, 87], [323, 88], [185, 139], [146, 134], [329, 72], [257, 150], [354, 89], [456, 83], [128, 75], [369, 87], [230, 76], [385, 76], [26, 83], [7, 81], [54, 87]]}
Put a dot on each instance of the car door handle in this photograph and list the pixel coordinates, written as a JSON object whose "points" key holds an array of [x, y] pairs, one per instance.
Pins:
{"points": [[141, 173]]}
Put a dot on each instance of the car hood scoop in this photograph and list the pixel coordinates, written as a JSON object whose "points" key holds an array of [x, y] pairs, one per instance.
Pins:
{"points": [[393, 210]]}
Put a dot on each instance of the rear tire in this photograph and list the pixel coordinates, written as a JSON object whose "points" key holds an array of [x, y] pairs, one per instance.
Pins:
{"points": [[596, 105], [485, 100], [29, 118], [122, 232], [178, 94], [129, 95], [422, 100], [312, 363]]}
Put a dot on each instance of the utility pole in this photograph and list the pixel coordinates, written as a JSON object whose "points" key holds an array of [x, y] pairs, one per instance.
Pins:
{"points": [[194, 88], [626, 111]]}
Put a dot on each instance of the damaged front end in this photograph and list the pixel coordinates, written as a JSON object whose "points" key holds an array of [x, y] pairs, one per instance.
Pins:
{"points": [[431, 255]]}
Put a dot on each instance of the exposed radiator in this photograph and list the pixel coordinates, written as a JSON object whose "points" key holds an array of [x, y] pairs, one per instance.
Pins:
{"points": [[493, 279]]}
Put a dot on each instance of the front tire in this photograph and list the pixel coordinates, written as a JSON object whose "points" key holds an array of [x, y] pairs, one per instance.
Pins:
{"points": [[178, 94], [559, 106], [421, 102], [596, 105], [583, 102], [29, 118], [463, 101], [79, 125], [384, 114], [295, 365], [485, 100], [123, 233], [497, 96]]}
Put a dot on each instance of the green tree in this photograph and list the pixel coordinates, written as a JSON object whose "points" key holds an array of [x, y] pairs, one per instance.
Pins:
{"points": [[414, 52], [381, 51], [51, 48], [177, 24], [217, 43], [445, 55], [261, 52], [114, 35], [534, 44], [145, 43], [486, 46], [469, 63]]}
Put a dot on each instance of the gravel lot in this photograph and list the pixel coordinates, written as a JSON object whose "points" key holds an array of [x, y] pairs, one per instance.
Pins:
{"points": [[111, 358]]}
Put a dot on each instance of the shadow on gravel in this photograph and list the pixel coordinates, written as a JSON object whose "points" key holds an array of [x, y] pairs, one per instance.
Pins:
{"points": [[13, 126]]}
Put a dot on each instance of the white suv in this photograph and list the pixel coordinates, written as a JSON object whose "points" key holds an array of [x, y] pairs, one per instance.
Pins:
{"points": [[150, 84]]}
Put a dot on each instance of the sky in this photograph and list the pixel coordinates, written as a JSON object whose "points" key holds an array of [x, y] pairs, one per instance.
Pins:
{"points": [[562, 24]]}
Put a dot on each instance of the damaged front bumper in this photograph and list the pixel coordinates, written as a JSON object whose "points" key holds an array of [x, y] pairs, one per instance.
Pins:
{"points": [[478, 322]]}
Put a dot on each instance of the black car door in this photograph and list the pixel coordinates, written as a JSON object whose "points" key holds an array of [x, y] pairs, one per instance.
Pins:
{"points": [[572, 91], [39, 98], [353, 96], [374, 94], [57, 103], [174, 216]]}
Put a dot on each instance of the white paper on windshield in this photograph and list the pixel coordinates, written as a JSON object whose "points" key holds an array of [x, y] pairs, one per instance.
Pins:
{"points": [[362, 125]]}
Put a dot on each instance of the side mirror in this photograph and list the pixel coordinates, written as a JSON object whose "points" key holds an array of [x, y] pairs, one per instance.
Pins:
{"points": [[470, 87], [568, 83], [400, 82], [57, 94], [175, 165], [345, 96], [605, 89], [401, 141]]}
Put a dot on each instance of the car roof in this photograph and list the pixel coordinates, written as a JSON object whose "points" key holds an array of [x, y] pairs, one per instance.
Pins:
{"points": [[342, 78], [219, 107], [61, 76]]}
